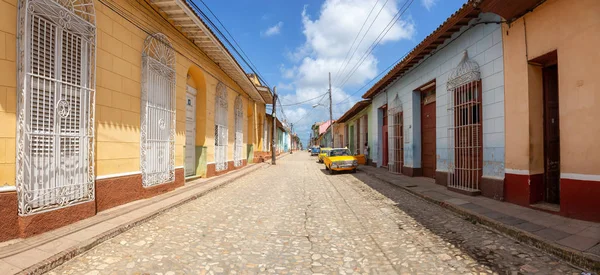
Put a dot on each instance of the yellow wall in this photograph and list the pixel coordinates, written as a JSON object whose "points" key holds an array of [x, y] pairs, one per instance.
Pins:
{"points": [[572, 28], [8, 92], [118, 88]]}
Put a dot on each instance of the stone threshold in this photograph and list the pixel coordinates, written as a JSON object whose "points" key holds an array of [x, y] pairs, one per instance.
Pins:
{"points": [[41, 253], [574, 241]]}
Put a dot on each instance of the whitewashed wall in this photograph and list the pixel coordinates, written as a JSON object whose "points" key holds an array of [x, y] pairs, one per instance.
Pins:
{"points": [[484, 45]]}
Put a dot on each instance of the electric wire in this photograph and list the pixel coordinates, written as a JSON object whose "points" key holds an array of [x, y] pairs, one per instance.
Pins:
{"points": [[227, 31], [128, 17], [356, 37], [226, 39], [303, 102], [377, 40]]}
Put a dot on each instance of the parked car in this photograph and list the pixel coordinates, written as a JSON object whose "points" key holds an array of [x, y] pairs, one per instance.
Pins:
{"points": [[323, 153], [340, 159], [315, 151]]}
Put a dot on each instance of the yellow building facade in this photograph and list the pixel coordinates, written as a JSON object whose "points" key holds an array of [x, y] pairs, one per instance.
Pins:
{"points": [[112, 101]]}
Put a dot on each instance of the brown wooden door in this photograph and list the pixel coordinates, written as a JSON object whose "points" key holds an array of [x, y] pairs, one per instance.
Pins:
{"points": [[551, 135], [428, 136], [384, 142]]}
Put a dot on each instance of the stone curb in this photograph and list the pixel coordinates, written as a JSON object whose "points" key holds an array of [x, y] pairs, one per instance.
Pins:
{"points": [[61, 257], [574, 257]]}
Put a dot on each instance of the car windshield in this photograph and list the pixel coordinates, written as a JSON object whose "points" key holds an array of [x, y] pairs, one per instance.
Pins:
{"points": [[339, 152]]}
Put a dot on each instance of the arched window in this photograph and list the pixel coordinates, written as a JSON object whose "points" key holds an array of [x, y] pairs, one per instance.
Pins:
{"points": [[465, 150], [239, 132], [55, 114], [221, 131], [158, 111], [396, 131]]}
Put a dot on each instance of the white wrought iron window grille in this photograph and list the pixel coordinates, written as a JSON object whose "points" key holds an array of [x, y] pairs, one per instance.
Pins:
{"points": [[395, 133], [239, 132], [465, 154], [55, 112], [157, 111], [221, 130], [265, 135]]}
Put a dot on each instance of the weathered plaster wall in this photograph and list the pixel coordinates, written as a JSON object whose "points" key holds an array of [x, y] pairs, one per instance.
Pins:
{"points": [[576, 41], [484, 45]]}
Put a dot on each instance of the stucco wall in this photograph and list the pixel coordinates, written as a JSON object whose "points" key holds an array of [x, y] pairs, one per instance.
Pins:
{"points": [[484, 45], [576, 41], [8, 92], [119, 48]]}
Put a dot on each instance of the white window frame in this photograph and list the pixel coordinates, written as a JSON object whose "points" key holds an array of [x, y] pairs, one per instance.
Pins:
{"points": [[221, 127], [157, 131], [238, 150], [55, 135]]}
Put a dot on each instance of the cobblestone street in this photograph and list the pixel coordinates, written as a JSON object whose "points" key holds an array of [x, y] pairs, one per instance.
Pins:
{"points": [[295, 218]]}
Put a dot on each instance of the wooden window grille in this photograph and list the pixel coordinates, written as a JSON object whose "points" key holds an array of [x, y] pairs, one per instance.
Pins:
{"points": [[465, 154], [157, 111], [55, 119]]}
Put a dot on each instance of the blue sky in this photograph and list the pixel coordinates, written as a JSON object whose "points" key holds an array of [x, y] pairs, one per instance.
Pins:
{"points": [[294, 44]]}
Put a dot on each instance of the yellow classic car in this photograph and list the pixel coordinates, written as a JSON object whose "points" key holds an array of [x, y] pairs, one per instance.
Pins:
{"points": [[340, 159], [323, 154]]}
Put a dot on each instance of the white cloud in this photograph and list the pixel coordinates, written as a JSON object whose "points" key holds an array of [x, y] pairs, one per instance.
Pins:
{"points": [[428, 4], [328, 39], [274, 30]]}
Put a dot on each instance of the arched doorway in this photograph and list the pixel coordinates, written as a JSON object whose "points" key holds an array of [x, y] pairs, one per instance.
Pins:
{"points": [[221, 131]]}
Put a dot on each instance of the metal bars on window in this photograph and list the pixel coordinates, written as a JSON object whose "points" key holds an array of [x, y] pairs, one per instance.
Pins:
{"points": [[55, 120], [265, 136], [239, 132], [465, 146], [221, 131], [158, 111], [395, 133]]}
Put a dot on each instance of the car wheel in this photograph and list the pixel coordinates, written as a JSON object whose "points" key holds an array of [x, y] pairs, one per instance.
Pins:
{"points": [[331, 171], [326, 168]]}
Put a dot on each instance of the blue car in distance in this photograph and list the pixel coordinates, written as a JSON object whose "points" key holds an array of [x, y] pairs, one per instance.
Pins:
{"points": [[315, 151]]}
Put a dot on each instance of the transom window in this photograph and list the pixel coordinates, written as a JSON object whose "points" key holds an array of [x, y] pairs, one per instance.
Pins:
{"points": [[55, 128]]}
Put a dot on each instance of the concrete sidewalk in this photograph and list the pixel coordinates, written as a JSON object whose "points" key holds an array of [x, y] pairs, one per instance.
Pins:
{"points": [[43, 252], [575, 241]]}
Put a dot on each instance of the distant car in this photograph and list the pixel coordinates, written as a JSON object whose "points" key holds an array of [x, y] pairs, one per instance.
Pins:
{"points": [[315, 151], [340, 159], [323, 153]]}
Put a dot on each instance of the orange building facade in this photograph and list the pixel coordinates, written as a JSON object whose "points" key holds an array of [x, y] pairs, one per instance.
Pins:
{"points": [[552, 97]]}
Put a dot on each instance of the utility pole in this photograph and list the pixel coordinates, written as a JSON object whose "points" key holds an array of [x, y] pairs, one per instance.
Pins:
{"points": [[274, 115], [331, 112]]}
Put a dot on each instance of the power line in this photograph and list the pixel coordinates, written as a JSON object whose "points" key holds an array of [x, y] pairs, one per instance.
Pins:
{"points": [[119, 11], [226, 40], [353, 42], [378, 40], [302, 102], [235, 41], [373, 79]]}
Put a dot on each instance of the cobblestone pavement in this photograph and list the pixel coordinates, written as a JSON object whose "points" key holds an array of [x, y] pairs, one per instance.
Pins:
{"points": [[295, 218]]}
